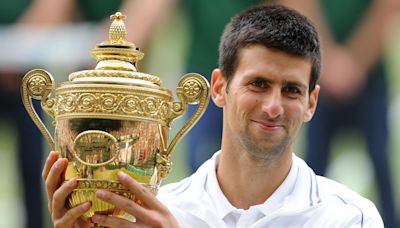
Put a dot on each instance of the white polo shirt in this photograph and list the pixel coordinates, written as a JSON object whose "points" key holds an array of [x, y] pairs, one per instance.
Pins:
{"points": [[302, 200]]}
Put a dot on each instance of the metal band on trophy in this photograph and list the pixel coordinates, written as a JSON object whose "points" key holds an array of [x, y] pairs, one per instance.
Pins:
{"points": [[113, 118]]}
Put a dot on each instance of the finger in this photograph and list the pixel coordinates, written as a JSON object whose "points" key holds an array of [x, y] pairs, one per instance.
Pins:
{"points": [[60, 197], [53, 156], [126, 205], [72, 215], [140, 192], [54, 179], [110, 221]]}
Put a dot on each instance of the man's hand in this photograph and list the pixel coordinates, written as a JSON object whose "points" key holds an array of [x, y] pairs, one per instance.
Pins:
{"points": [[151, 212], [57, 194]]}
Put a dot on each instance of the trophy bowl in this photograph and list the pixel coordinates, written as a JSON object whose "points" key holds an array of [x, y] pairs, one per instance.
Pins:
{"points": [[113, 118]]}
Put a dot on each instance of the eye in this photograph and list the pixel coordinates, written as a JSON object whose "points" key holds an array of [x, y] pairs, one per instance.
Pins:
{"points": [[259, 84], [292, 89]]}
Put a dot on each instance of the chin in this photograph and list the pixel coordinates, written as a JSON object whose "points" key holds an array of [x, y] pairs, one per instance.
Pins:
{"points": [[265, 152]]}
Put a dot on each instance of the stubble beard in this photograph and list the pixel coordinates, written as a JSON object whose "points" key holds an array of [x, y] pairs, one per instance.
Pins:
{"points": [[259, 150]]}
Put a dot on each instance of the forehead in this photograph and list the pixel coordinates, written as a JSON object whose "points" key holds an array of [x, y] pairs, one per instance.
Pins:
{"points": [[260, 61]]}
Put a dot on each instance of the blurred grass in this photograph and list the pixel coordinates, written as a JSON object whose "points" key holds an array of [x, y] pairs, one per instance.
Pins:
{"points": [[11, 208]]}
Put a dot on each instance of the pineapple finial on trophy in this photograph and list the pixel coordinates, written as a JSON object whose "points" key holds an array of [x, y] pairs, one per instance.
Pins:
{"points": [[117, 33]]}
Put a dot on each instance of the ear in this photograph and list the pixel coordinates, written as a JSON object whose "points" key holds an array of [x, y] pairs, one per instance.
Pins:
{"points": [[312, 104], [218, 87]]}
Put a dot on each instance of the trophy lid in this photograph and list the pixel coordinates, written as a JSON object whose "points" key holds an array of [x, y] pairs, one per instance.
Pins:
{"points": [[116, 59]]}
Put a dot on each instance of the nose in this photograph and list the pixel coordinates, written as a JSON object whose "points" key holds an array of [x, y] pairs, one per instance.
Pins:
{"points": [[272, 104]]}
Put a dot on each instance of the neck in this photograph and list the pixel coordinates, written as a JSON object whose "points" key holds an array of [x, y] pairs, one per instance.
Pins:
{"points": [[248, 181]]}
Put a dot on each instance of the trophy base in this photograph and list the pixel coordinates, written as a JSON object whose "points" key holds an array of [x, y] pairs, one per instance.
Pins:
{"points": [[86, 192]]}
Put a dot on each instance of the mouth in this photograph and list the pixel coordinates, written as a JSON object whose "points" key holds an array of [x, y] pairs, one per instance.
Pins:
{"points": [[269, 125]]}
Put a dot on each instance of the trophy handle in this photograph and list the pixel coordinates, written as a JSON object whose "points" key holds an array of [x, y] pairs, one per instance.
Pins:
{"points": [[38, 84], [193, 89]]}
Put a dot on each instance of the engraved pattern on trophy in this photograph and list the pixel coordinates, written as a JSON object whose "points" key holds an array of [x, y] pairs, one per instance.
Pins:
{"points": [[36, 85], [192, 89], [109, 103], [114, 118]]}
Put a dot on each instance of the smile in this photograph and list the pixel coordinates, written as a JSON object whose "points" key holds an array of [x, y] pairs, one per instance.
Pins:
{"points": [[269, 125]]}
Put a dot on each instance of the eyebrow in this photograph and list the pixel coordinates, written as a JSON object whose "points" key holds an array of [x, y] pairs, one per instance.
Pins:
{"points": [[300, 85], [256, 78]]}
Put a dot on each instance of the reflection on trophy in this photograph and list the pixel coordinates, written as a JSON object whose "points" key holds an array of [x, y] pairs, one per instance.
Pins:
{"points": [[113, 118]]}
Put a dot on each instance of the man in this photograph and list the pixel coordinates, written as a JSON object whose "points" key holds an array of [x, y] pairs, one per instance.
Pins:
{"points": [[266, 85], [355, 83]]}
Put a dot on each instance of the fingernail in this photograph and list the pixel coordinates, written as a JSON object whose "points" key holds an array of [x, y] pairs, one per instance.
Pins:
{"points": [[122, 175], [72, 182], [58, 163], [94, 218], [97, 218], [100, 193], [87, 205], [51, 155]]}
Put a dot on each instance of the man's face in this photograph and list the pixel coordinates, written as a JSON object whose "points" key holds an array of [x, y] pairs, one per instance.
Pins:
{"points": [[266, 101]]}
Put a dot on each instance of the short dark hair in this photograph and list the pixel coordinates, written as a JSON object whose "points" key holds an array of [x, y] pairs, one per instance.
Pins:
{"points": [[275, 27]]}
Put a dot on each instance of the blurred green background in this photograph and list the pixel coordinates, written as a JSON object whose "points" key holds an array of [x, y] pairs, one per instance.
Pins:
{"points": [[349, 163]]}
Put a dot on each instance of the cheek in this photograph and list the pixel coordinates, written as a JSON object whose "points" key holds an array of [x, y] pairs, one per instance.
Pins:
{"points": [[248, 104], [240, 112], [294, 112]]}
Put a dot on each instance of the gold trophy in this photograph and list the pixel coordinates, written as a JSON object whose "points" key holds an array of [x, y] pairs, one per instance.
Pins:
{"points": [[113, 118]]}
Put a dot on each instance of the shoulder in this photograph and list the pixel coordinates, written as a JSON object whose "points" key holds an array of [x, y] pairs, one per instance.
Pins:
{"points": [[334, 202], [188, 201], [190, 194], [331, 188], [178, 196], [348, 204], [190, 187], [177, 187]]}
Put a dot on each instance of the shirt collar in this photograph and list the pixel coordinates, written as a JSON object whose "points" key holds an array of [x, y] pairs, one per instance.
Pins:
{"points": [[224, 207]]}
